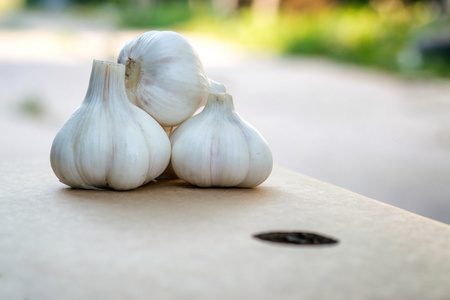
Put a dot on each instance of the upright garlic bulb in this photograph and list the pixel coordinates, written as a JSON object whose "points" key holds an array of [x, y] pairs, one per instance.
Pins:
{"points": [[108, 142], [218, 148], [164, 76]]}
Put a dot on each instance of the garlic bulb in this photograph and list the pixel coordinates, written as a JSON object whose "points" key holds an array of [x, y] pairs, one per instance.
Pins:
{"points": [[218, 148], [216, 87], [164, 76], [108, 142]]}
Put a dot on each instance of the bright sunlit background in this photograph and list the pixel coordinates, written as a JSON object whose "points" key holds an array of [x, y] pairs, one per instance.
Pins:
{"points": [[352, 92]]}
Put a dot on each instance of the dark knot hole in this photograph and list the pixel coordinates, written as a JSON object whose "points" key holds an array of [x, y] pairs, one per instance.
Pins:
{"points": [[296, 238]]}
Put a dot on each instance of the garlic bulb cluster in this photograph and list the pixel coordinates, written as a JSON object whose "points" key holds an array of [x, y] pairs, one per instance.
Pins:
{"points": [[109, 142], [164, 76], [137, 122], [218, 148]]}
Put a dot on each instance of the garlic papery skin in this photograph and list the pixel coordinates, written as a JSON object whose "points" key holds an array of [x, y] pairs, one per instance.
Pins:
{"points": [[109, 143], [164, 76], [218, 148], [216, 87]]}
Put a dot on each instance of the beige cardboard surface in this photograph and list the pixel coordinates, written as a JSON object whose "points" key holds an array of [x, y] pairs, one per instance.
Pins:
{"points": [[169, 240]]}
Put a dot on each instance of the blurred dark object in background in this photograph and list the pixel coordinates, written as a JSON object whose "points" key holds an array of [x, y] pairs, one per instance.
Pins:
{"points": [[436, 49], [49, 4]]}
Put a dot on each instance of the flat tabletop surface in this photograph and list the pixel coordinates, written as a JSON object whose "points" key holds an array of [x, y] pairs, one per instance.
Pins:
{"points": [[170, 240]]}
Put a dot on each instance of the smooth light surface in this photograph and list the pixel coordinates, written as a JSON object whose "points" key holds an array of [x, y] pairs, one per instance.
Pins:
{"points": [[170, 240]]}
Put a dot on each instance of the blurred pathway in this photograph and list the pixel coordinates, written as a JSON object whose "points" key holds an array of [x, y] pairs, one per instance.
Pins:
{"points": [[373, 133]]}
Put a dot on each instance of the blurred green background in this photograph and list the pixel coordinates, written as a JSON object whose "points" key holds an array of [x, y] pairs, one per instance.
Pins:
{"points": [[411, 37]]}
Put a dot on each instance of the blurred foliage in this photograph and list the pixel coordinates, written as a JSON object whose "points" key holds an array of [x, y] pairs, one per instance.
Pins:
{"points": [[385, 34], [31, 106], [385, 37], [160, 14], [6, 5]]}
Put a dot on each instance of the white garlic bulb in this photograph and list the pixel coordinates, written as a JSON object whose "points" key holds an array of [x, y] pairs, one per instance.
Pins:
{"points": [[164, 76], [108, 142], [218, 148]]}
